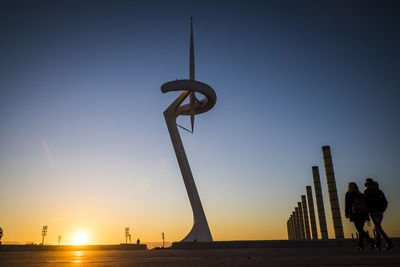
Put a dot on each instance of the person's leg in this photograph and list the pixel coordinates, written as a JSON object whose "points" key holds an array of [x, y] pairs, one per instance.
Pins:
{"points": [[378, 239], [359, 223], [377, 219], [359, 228]]}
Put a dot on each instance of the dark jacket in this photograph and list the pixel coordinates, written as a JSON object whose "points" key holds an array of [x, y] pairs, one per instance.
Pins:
{"points": [[375, 198], [349, 201]]}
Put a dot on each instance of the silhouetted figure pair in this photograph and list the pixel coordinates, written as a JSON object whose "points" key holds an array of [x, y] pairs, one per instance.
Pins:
{"points": [[377, 204], [356, 210]]}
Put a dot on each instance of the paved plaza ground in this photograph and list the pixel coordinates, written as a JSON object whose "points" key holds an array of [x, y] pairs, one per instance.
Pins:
{"points": [[339, 256]]}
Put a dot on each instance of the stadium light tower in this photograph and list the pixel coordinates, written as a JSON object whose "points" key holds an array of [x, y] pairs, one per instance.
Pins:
{"points": [[1, 234], [44, 233], [126, 234]]}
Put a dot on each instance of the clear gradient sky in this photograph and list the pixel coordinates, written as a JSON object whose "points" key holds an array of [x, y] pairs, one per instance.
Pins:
{"points": [[84, 145]]}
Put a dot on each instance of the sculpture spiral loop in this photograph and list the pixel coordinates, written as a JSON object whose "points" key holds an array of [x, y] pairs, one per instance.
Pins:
{"points": [[201, 106]]}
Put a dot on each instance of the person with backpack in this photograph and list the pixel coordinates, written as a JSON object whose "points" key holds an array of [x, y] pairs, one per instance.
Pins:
{"points": [[356, 210], [376, 205]]}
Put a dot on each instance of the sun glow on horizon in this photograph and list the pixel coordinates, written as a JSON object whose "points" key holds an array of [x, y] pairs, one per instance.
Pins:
{"points": [[80, 238]]}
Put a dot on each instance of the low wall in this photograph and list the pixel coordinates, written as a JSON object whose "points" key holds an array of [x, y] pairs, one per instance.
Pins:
{"points": [[72, 247], [272, 244]]}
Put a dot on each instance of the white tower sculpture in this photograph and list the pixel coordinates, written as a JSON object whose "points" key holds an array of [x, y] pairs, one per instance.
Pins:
{"points": [[200, 230]]}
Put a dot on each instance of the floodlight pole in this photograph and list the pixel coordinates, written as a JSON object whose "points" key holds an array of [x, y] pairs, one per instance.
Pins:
{"points": [[44, 233], [1, 234], [126, 234]]}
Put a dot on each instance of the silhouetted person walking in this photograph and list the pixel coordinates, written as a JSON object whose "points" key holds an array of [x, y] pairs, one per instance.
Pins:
{"points": [[377, 204], [356, 210]]}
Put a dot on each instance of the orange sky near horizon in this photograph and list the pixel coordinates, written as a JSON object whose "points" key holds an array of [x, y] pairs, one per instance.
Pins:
{"points": [[101, 221]]}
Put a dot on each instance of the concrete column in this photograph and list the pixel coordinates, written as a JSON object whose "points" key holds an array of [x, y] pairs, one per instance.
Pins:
{"points": [[305, 215], [294, 225], [301, 221], [320, 203], [297, 219], [333, 197], [312, 213], [288, 229]]}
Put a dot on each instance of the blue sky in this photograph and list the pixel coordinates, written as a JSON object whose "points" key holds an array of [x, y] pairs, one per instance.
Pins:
{"points": [[83, 135]]}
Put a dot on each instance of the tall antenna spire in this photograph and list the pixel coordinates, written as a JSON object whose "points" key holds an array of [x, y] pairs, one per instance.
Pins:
{"points": [[191, 50], [192, 93]]}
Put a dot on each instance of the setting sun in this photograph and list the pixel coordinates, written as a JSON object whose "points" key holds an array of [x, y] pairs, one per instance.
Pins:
{"points": [[80, 238]]}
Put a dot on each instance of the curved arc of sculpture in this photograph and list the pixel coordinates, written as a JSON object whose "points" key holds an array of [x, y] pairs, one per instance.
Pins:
{"points": [[200, 230], [201, 106]]}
